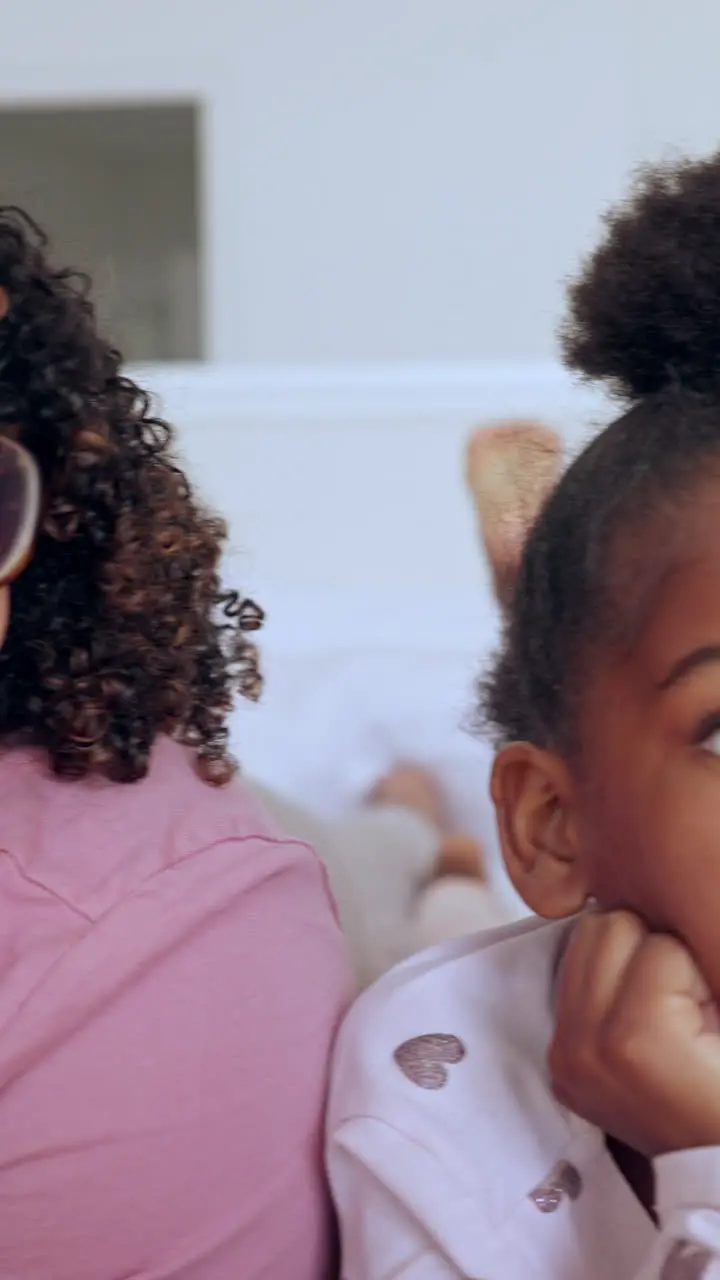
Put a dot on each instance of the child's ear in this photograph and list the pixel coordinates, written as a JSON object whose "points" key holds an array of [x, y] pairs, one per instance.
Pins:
{"points": [[533, 797]]}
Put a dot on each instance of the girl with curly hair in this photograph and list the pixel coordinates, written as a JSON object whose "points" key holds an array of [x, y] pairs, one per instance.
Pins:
{"points": [[544, 1101], [172, 969]]}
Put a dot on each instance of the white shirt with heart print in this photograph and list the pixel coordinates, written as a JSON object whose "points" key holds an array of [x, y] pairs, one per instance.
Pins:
{"points": [[449, 1158]]}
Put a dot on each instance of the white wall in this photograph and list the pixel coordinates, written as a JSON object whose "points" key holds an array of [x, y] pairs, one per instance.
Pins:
{"points": [[386, 181], [392, 180]]}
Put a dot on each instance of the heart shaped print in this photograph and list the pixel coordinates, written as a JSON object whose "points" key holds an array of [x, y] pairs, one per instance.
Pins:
{"points": [[425, 1059]]}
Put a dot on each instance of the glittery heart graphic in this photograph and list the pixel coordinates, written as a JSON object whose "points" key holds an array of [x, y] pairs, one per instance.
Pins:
{"points": [[425, 1059]]}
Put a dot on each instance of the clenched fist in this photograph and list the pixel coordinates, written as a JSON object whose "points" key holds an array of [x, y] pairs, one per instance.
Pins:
{"points": [[636, 1049]]}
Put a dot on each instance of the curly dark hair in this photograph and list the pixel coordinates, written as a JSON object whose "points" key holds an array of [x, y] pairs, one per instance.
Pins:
{"points": [[644, 318], [120, 629]]}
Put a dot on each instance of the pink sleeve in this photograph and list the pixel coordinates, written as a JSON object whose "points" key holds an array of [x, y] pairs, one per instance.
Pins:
{"points": [[166, 1115]]}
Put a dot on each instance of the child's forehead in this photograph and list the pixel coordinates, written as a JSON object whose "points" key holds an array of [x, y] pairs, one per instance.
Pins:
{"points": [[662, 559], [676, 616], [683, 613]]}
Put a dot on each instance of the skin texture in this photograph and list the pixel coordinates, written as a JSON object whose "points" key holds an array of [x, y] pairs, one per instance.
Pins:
{"points": [[633, 825]]}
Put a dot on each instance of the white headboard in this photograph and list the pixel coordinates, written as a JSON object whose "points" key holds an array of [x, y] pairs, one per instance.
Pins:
{"points": [[344, 487]]}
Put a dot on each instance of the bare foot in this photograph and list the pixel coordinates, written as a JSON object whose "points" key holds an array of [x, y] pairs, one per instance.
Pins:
{"points": [[460, 855], [410, 786], [510, 469]]}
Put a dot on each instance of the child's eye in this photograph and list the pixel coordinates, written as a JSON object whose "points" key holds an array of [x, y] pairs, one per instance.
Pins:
{"points": [[711, 741], [707, 733]]}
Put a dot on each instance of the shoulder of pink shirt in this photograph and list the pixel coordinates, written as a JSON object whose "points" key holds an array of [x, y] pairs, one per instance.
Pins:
{"points": [[172, 978]]}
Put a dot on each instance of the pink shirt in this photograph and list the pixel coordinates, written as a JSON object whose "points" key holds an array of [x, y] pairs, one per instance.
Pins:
{"points": [[171, 976]]}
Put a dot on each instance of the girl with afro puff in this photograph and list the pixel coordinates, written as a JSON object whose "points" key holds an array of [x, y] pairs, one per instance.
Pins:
{"points": [[543, 1102]]}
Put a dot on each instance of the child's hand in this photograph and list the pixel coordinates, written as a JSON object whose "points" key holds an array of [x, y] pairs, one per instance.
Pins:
{"points": [[636, 1048]]}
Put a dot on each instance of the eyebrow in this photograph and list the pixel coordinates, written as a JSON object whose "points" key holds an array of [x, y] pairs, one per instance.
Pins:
{"points": [[697, 658]]}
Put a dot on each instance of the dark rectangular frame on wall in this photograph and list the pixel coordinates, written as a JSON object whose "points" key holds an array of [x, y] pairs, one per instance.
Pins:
{"points": [[83, 82], [115, 186]]}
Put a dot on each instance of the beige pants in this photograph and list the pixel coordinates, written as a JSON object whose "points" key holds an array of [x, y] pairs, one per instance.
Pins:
{"points": [[380, 863]]}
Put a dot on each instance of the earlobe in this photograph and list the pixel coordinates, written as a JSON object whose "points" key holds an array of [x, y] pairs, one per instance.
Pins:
{"points": [[533, 797]]}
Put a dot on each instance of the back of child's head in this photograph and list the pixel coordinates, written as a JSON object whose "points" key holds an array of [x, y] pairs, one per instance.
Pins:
{"points": [[644, 319]]}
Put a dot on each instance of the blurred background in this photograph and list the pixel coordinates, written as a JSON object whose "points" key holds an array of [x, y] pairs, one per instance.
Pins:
{"points": [[334, 234]]}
